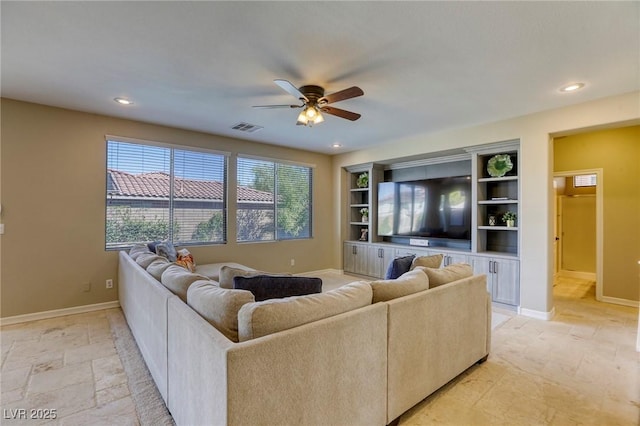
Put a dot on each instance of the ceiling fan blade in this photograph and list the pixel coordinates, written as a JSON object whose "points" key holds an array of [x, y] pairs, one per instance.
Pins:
{"points": [[340, 113], [351, 92], [277, 106], [291, 89]]}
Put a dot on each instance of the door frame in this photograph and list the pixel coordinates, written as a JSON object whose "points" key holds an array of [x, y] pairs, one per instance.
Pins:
{"points": [[599, 220]]}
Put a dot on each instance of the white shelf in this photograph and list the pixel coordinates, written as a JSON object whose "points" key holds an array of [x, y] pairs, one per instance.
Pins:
{"points": [[499, 228], [359, 223], [359, 189], [493, 202], [498, 179], [359, 205]]}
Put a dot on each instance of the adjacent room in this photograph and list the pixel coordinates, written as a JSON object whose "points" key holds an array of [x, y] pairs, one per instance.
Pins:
{"points": [[320, 213]]}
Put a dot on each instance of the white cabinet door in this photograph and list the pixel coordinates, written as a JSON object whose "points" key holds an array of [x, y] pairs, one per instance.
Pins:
{"points": [[355, 258], [503, 278], [481, 265], [379, 259], [410, 251], [451, 258], [506, 276]]}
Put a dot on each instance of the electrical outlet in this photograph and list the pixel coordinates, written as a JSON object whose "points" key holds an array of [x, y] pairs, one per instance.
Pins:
{"points": [[109, 283], [293, 262], [86, 287]]}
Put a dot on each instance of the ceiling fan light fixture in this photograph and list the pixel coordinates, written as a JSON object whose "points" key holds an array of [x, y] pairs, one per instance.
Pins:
{"points": [[318, 118], [311, 112], [302, 119]]}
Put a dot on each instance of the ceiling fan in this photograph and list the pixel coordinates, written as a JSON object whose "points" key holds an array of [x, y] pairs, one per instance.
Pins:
{"points": [[314, 102]]}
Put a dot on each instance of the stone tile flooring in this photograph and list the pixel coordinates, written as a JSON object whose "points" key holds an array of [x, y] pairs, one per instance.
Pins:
{"points": [[579, 368], [68, 364]]}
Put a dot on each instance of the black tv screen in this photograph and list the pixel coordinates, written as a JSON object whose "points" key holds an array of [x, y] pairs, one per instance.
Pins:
{"points": [[430, 208]]}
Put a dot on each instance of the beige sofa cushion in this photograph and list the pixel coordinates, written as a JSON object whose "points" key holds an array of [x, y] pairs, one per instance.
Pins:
{"points": [[137, 249], [407, 283], [145, 259], [219, 306], [433, 261], [158, 266], [212, 270], [177, 279], [455, 272], [228, 273], [273, 315]]}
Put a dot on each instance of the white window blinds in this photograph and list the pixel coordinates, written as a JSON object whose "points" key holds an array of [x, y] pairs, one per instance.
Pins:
{"points": [[274, 200], [157, 193]]}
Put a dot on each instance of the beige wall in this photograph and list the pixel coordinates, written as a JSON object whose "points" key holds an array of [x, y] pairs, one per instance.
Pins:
{"points": [[53, 184], [617, 152], [535, 132]]}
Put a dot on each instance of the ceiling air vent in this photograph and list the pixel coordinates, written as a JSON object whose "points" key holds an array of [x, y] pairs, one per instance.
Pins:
{"points": [[246, 127]]}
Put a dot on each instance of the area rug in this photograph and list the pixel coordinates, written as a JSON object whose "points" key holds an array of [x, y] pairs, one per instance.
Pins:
{"points": [[146, 397]]}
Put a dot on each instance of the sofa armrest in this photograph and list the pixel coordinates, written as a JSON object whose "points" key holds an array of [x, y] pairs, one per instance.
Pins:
{"points": [[434, 336], [197, 368], [144, 303]]}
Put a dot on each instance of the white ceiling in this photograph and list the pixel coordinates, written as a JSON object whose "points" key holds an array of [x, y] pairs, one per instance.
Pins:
{"points": [[424, 66]]}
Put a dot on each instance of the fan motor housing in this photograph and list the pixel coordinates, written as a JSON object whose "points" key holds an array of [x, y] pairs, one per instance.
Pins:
{"points": [[313, 93]]}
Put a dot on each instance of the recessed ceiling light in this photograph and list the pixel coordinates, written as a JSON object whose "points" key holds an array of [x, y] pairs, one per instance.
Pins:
{"points": [[336, 145], [123, 101], [572, 87]]}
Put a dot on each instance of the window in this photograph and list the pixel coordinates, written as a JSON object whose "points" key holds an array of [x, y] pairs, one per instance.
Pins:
{"points": [[157, 193], [274, 200], [584, 180]]}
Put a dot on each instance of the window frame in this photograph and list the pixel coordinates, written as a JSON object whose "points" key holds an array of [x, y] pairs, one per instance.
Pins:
{"points": [[588, 178], [278, 162], [172, 147]]}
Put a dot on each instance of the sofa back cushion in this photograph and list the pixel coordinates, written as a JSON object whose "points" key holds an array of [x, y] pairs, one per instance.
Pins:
{"points": [[145, 259], [408, 283], [454, 272], [137, 249], [219, 306], [274, 315], [433, 261], [399, 266], [177, 279], [228, 273], [157, 267], [212, 270], [266, 287]]}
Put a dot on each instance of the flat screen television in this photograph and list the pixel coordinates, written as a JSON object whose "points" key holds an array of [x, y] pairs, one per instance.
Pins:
{"points": [[429, 208]]}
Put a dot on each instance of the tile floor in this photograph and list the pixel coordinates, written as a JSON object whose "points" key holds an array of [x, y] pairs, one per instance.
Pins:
{"points": [[580, 368]]}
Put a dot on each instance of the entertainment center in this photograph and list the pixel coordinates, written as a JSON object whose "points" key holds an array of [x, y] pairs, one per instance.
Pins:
{"points": [[455, 204]]}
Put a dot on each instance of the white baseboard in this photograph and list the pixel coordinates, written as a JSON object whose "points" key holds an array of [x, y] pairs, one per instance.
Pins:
{"points": [[320, 271], [617, 301], [17, 319], [577, 274], [541, 315]]}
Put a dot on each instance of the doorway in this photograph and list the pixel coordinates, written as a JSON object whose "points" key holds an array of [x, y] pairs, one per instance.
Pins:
{"points": [[578, 225]]}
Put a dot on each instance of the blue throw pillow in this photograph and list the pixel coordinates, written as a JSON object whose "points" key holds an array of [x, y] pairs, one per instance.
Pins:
{"points": [[167, 250], [399, 266], [266, 287]]}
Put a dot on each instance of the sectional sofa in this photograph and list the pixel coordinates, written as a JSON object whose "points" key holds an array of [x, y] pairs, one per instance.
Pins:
{"points": [[359, 355]]}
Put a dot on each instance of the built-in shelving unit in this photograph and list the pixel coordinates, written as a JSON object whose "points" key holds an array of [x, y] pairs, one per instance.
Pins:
{"points": [[494, 247], [496, 196], [361, 197]]}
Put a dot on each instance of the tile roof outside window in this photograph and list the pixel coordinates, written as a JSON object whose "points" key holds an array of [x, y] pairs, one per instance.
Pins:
{"points": [[156, 184]]}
